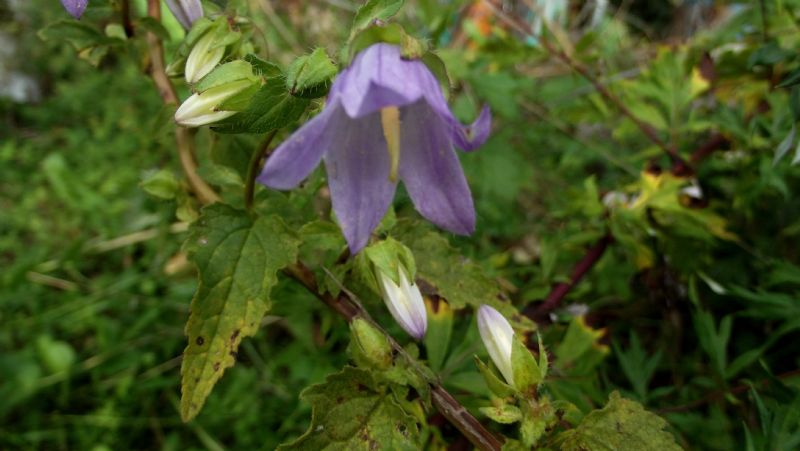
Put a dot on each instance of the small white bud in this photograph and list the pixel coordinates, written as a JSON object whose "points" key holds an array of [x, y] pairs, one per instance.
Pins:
{"points": [[693, 190], [497, 336], [201, 109], [203, 59], [405, 303]]}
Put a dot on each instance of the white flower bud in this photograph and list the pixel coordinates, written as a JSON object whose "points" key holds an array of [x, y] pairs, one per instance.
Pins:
{"points": [[405, 303], [203, 59], [497, 336], [201, 109]]}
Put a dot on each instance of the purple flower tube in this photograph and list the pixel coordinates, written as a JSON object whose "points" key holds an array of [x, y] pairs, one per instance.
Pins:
{"points": [[385, 119], [75, 7], [186, 11]]}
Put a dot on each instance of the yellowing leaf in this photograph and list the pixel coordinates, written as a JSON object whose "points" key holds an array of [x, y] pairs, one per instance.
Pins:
{"points": [[237, 258], [622, 425]]}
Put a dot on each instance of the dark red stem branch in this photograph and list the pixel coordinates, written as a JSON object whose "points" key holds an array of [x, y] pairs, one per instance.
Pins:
{"points": [[540, 312], [444, 402]]}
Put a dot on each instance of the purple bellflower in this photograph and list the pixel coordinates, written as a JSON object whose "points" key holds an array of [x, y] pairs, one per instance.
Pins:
{"points": [[186, 11], [75, 7], [385, 119]]}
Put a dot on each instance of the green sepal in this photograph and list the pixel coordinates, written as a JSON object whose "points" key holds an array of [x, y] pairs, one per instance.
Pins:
{"points": [[263, 68], [527, 374], [496, 385], [390, 256], [226, 73], [309, 76], [503, 414]]}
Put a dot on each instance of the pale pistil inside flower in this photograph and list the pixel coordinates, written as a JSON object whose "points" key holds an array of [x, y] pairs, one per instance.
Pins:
{"points": [[390, 121]]}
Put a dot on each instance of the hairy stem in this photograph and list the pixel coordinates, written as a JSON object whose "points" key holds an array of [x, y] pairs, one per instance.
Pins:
{"points": [[444, 402], [256, 161], [183, 136]]}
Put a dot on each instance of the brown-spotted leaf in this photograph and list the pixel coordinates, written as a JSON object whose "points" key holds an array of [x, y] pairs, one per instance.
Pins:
{"points": [[237, 257]]}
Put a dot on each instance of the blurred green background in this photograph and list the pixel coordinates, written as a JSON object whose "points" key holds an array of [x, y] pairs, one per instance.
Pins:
{"points": [[696, 300]]}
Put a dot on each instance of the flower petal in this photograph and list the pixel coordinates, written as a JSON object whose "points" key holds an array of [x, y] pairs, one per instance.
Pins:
{"points": [[296, 157], [380, 77], [186, 11], [75, 7], [358, 163], [430, 169], [469, 138]]}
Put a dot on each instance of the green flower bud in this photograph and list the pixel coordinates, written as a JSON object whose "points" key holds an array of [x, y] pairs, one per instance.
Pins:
{"points": [[204, 57]]}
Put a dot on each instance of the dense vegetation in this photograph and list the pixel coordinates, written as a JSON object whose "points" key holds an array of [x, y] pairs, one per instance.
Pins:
{"points": [[636, 223]]}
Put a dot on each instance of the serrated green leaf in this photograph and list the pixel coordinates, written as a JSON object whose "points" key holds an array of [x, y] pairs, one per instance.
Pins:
{"points": [[353, 411], [322, 235], [621, 425], [237, 258], [309, 76], [271, 108], [375, 9]]}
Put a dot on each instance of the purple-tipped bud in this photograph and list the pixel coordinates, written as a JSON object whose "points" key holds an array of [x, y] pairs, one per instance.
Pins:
{"points": [[75, 7], [186, 11], [405, 304], [497, 336]]}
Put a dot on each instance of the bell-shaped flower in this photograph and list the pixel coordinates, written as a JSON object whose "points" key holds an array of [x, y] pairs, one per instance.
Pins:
{"points": [[186, 11], [203, 58], [204, 108], [497, 336], [75, 7], [386, 119], [405, 303]]}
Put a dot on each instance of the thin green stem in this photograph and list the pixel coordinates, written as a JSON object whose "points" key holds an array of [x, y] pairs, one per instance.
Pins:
{"points": [[256, 161]]}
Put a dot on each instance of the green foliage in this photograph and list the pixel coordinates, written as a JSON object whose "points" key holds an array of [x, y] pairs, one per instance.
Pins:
{"points": [[352, 410], [621, 425], [237, 258], [469, 286], [309, 76], [375, 10], [696, 291]]}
